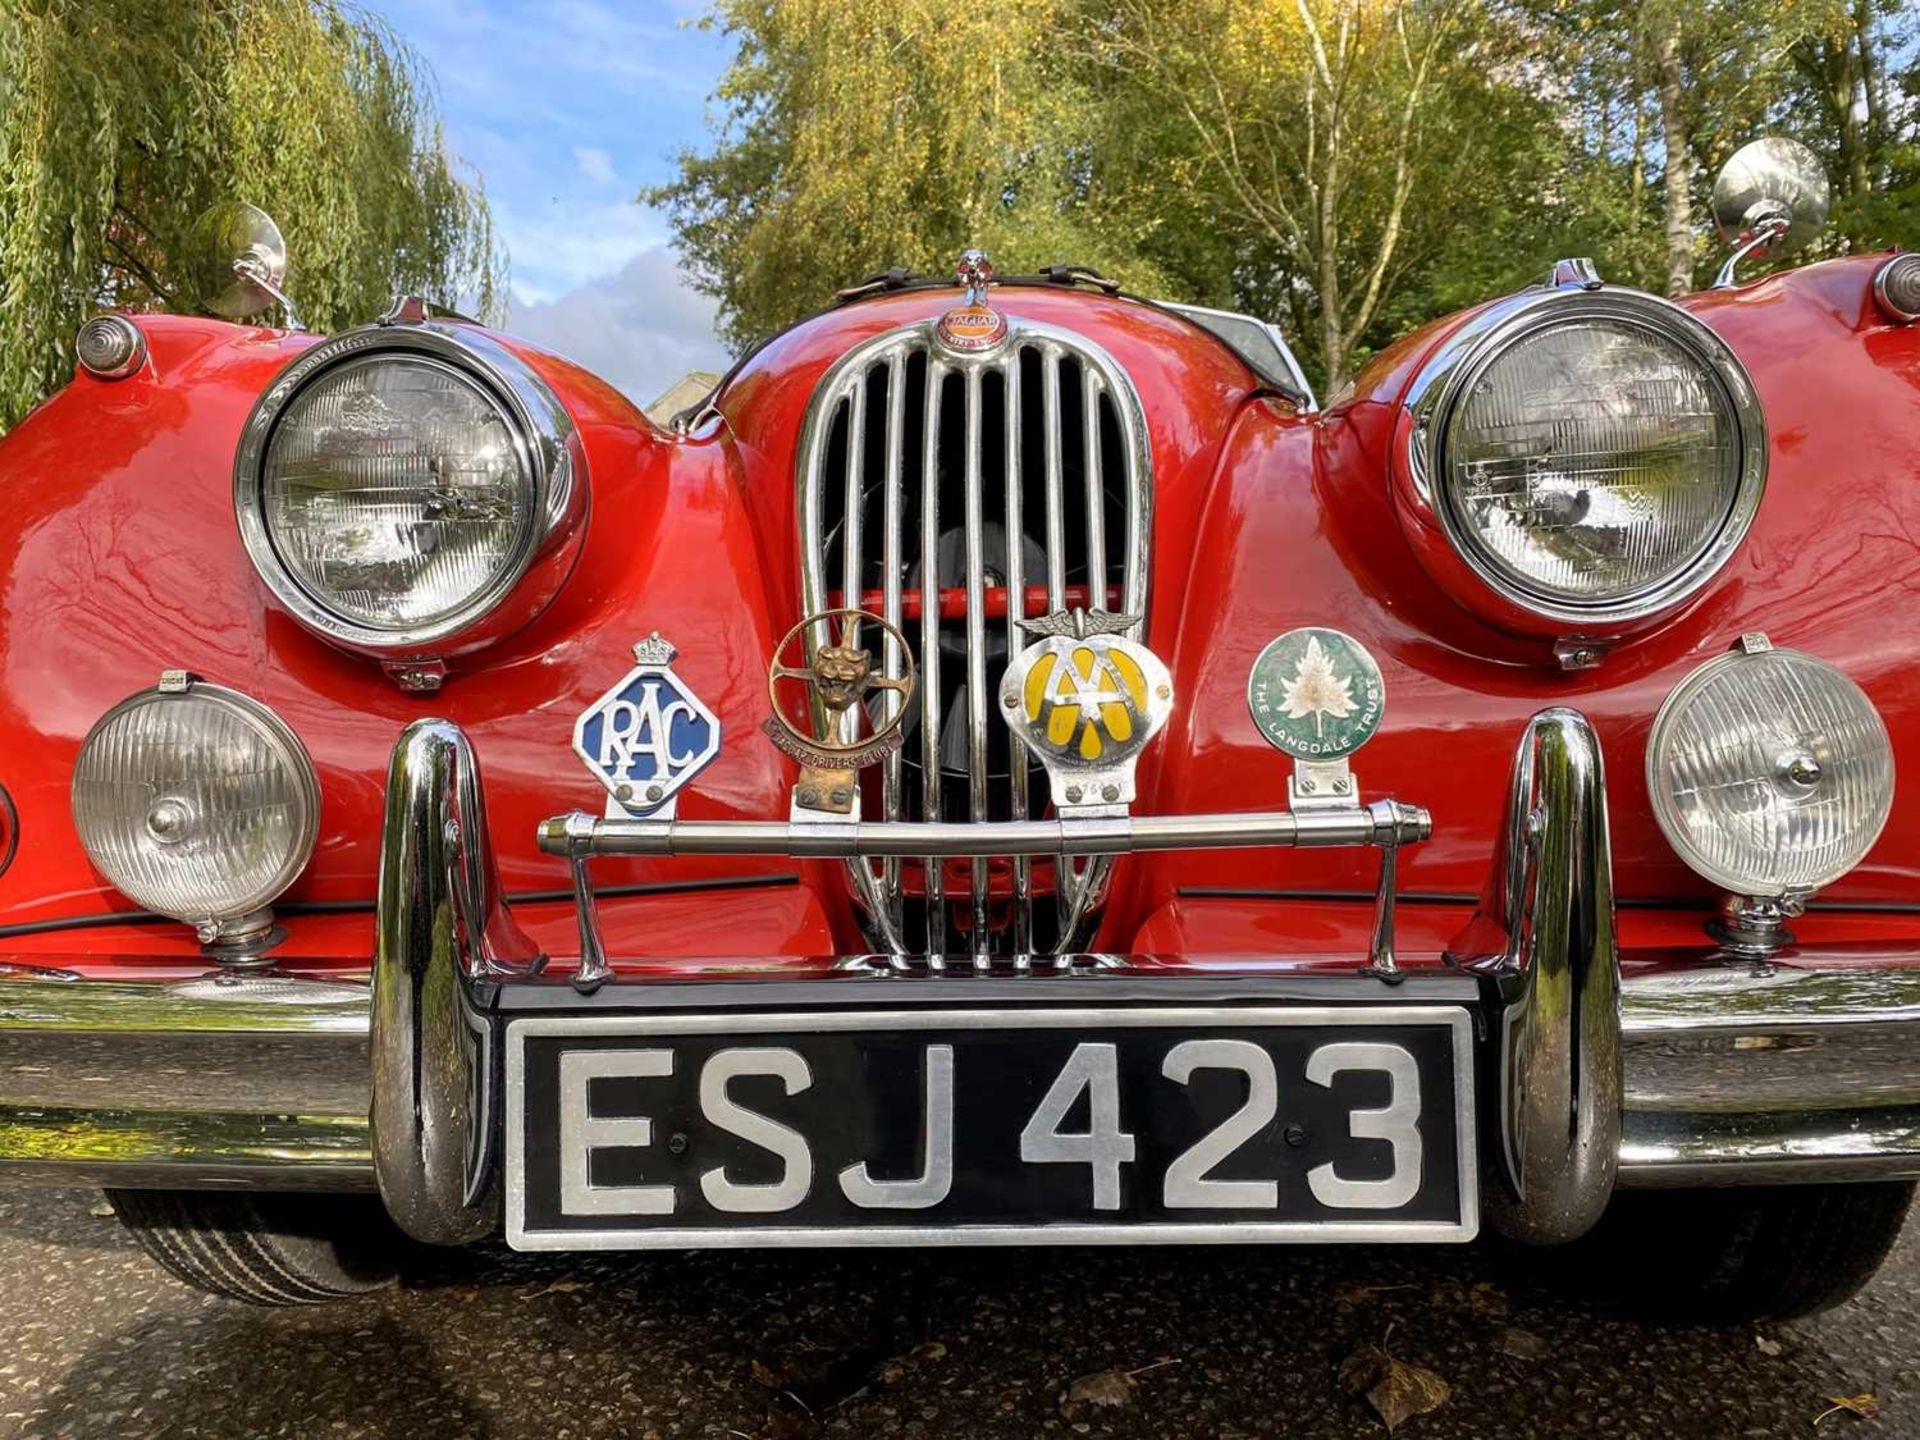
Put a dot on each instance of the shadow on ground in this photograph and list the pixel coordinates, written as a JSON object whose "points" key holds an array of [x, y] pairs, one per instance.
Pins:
{"points": [[1220, 1343]]}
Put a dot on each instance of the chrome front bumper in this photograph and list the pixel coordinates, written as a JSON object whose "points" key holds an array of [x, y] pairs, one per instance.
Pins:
{"points": [[1685, 1072]]}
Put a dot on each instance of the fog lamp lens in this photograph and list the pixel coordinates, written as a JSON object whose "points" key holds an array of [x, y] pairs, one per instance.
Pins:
{"points": [[197, 803], [1770, 772]]}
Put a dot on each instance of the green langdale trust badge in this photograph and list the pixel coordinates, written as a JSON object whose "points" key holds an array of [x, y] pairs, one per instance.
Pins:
{"points": [[1316, 694]]}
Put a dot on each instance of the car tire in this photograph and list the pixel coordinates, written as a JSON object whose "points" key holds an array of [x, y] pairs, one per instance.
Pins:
{"points": [[265, 1249], [1736, 1255]]}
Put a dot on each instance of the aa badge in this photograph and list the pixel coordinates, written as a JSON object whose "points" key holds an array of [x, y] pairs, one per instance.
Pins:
{"points": [[1086, 699], [1316, 694], [647, 736]]}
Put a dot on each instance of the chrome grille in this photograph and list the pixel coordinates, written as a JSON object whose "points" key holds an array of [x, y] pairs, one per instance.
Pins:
{"points": [[957, 495]]}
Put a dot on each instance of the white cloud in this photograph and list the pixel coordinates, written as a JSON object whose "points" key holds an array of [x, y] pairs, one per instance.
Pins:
{"points": [[640, 329], [595, 164], [563, 244]]}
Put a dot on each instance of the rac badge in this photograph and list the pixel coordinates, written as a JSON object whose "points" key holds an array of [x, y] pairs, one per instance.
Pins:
{"points": [[647, 736], [973, 326], [1316, 694], [846, 734], [1086, 699]]}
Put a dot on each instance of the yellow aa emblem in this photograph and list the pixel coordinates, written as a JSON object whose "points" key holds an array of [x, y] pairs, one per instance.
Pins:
{"points": [[1084, 699]]}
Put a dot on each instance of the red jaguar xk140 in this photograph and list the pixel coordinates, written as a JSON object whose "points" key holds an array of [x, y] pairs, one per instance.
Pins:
{"points": [[1009, 766]]}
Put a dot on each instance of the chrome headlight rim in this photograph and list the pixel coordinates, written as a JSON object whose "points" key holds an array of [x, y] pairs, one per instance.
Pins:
{"points": [[1448, 375], [1666, 811], [283, 739], [547, 449]]}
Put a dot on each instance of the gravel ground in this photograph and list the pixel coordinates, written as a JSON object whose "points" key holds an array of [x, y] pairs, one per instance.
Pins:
{"points": [[94, 1341]]}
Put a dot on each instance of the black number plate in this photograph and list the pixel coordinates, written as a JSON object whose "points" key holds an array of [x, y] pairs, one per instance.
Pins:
{"points": [[991, 1126]]}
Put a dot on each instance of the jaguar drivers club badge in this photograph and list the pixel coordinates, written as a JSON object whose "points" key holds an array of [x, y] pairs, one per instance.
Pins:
{"points": [[1316, 694], [973, 325], [856, 714], [648, 736], [1085, 699]]}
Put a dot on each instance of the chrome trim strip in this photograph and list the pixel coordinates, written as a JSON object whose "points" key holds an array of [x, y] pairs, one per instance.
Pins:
{"points": [[1382, 822], [186, 1150], [1732, 1076], [1741, 1040], [1664, 1151], [1291, 380], [1544, 936], [258, 1081], [1454, 1018]]}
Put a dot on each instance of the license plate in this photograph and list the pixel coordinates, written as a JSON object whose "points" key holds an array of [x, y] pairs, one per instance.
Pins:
{"points": [[1019, 1125]]}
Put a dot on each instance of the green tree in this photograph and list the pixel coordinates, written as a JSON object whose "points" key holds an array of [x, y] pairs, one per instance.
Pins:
{"points": [[1349, 167], [122, 121], [857, 136]]}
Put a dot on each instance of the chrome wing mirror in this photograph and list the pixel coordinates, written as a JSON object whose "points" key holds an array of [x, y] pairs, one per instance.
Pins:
{"points": [[1771, 195], [240, 263]]}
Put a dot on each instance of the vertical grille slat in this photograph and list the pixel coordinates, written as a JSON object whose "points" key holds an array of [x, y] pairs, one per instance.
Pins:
{"points": [[972, 507], [930, 711], [893, 663], [1096, 491], [1016, 578], [978, 804], [856, 447], [1056, 486]]}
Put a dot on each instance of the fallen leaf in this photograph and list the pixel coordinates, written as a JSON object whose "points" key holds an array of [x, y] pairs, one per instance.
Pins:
{"points": [[1396, 1390], [1768, 1346], [1518, 1344], [789, 1422], [1865, 1406], [1112, 1388], [558, 1287], [1355, 1294], [1487, 1299], [772, 1379]]}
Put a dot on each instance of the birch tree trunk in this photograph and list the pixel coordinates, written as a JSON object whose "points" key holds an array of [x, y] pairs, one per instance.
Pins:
{"points": [[1677, 199]]}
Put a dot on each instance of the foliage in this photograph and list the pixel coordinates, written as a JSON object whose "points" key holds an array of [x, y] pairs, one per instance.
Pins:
{"points": [[122, 121], [1350, 167], [861, 136]]}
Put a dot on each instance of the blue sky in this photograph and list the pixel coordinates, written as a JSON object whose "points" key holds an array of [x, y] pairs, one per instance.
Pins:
{"points": [[567, 108]]}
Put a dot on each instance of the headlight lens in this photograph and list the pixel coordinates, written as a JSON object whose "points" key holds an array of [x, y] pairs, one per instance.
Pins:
{"points": [[200, 804], [395, 492], [1593, 456], [1770, 773], [1592, 460]]}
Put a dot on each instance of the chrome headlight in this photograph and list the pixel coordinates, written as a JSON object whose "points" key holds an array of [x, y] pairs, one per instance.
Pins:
{"points": [[396, 485], [196, 802], [1592, 456], [1770, 772]]}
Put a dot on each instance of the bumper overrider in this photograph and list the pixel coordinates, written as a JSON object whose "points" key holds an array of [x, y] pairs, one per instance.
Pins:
{"points": [[1587, 1073]]}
